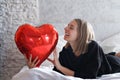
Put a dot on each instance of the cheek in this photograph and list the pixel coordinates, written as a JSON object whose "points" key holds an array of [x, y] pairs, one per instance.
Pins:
{"points": [[74, 36]]}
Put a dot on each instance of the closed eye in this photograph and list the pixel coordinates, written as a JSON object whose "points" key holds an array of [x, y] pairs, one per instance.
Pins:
{"points": [[71, 27]]}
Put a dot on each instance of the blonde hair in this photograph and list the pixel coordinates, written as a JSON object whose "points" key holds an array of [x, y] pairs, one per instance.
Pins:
{"points": [[85, 35]]}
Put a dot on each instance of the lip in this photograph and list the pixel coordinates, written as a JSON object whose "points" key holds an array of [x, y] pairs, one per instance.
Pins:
{"points": [[66, 35]]}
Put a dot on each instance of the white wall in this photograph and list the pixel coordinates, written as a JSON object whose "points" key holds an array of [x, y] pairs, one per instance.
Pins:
{"points": [[102, 14]]}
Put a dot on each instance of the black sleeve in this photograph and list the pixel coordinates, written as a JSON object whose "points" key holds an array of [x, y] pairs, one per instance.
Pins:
{"points": [[112, 53], [93, 62], [88, 65]]}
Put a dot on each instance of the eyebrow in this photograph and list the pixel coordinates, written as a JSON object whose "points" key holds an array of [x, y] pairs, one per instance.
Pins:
{"points": [[70, 25]]}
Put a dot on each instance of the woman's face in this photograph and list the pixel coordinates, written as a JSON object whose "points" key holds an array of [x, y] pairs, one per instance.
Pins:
{"points": [[71, 31]]}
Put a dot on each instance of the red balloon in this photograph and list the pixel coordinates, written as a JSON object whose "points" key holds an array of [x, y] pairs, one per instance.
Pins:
{"points": [[38, 41]]}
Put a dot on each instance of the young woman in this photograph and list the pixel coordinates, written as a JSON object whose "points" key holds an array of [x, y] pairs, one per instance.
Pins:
{"points": [[82, 56]]}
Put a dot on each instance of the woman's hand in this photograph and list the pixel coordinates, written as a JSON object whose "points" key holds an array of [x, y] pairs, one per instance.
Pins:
{"points": [[61, 68], [55, 61], [30, 63]]}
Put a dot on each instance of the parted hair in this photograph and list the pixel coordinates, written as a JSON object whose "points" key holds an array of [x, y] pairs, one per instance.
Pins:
{"points": [[85, 35]]}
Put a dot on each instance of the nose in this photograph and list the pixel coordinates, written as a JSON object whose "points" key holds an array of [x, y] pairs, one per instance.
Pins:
{"points": [[65, 28]]}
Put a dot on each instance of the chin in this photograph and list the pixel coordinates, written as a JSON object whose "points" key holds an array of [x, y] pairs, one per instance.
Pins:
{"points": [[65, 38]]}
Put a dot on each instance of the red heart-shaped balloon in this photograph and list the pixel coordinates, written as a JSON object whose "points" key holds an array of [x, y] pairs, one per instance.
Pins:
{"points": [[38, 41]]}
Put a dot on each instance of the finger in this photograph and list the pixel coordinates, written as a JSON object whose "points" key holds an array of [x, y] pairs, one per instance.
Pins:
{"points": [[30, 58], [55, 55], [37, 63], [49, 59], [35, 60], [55, 50], [52, 61]]}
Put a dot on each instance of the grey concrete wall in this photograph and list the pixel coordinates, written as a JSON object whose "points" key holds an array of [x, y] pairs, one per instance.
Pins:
{"points": [[12, 14], [102, 14]]}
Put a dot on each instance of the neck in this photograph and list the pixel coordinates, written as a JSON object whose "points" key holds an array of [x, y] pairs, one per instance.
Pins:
{"points": [[72, 46]]}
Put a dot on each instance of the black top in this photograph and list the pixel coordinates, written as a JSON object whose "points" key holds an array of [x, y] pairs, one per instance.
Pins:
{"points": [[91, 64]]}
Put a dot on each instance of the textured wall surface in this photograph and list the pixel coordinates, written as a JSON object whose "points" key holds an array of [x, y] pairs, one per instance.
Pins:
{"points": [[12, 14], [102, 14]]}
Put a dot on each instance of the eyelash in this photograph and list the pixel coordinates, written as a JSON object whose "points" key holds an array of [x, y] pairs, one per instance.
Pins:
{"points": [[71, 27]]}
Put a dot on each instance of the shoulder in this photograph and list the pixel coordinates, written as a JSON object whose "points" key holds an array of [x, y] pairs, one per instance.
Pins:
{"points": [[93, 43], [66, 50]]}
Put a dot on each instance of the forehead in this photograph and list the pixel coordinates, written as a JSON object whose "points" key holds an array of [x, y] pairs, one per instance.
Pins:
{"points": [[73, 23]]}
